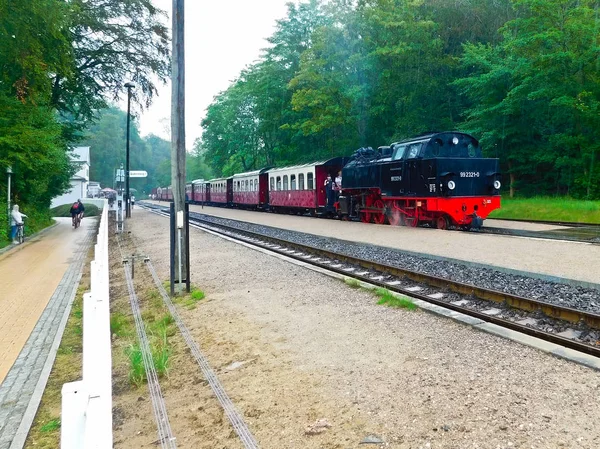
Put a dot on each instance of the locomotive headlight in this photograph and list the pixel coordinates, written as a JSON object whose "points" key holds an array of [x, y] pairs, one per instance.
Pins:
{"points": [[451, 185], [455, 140], [497, 184]]}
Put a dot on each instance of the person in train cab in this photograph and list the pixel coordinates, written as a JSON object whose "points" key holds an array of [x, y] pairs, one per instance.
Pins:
{"points": [[337, 185], [329, 192], [338, 180]]}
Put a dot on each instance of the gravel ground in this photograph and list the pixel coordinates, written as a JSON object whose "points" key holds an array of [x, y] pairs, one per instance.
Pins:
{"points": [[413, 379], [563, 294], [560, 259]]}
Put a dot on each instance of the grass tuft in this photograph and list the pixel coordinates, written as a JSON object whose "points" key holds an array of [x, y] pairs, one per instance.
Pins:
{"points": [[389, 299], [137, 371], [119, 324], [51, 425], [352, 283], [197, 295]]}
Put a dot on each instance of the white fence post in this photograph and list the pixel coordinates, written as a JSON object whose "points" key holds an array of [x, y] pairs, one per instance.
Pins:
{"points": [[86, 420]]}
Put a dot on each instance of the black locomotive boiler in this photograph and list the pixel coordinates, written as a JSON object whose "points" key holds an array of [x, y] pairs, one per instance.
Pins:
{"points": [[438, 178]]}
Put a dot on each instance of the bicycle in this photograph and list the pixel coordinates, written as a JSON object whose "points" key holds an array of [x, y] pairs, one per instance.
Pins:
{"points": [[76, 220], [20, 233]]}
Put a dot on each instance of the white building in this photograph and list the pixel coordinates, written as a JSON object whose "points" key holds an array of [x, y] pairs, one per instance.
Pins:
{"points": [[79, 181], [93, 189]]}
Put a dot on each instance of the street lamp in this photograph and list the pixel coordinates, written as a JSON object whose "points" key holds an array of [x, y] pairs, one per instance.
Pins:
{"points": [[129, 86], [8, 172]]}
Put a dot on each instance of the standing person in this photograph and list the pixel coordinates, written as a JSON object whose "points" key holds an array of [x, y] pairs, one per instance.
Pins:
{"points": [[132, 201], [16, 219], [338, 185], [329, 193]]}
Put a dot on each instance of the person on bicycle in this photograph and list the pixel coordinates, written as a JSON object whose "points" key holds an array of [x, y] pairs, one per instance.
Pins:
{"points": [[81, 209], [76, 212], [16, 220]]}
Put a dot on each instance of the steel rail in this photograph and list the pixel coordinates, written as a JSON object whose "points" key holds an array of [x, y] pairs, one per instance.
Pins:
{"points": [[159, 408], [234, 416], [513, 301]]}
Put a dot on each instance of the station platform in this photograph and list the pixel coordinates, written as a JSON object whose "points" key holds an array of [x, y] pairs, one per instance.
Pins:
{"points": [[38, 282]]}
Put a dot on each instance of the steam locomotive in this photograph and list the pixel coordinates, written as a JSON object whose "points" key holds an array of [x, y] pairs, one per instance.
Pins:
{"points": [[439, 179]]}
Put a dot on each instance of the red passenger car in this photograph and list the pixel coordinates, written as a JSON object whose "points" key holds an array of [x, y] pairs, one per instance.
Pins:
{"points": [[201, 192], [251, 189], [301, 187], [221, 190]]}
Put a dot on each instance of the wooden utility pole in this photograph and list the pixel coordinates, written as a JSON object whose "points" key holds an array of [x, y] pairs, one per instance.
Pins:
{"points": [[178, 127]]}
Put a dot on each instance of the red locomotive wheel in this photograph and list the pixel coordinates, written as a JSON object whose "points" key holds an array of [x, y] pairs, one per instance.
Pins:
{"points": [[379, 217], [394, 217], [441, 222]]}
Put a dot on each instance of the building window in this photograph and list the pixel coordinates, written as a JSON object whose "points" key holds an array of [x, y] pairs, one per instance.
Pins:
{"points": [[310, 181]]}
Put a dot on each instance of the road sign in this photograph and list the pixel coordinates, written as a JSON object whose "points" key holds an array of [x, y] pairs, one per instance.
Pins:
{"points": [[138, 173]]}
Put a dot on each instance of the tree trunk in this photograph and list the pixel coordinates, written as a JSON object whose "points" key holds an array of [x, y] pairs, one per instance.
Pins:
{"points": [[512, 180]]}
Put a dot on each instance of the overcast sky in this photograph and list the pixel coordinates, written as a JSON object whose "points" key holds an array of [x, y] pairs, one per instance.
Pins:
{"points": [[221, 38]]}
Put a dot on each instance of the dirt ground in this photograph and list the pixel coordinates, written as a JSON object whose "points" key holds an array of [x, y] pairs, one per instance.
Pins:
{"points": [[311, 348]]}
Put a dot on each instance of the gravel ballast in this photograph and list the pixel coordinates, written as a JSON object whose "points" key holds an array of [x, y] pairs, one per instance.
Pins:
{"points": [[410, 378], [567, 295]]}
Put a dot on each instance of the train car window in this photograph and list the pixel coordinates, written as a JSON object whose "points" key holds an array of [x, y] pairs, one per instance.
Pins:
{"points": [[398, 152], [301, 181], [272, 184], [293, 182], [285, 182], [413, 150], [279, 183], [247, 188], [310, 181]]}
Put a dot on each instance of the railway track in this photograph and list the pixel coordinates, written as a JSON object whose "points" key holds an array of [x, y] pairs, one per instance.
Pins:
{"points": [[579, 233], [571, 224], [580, 329]]}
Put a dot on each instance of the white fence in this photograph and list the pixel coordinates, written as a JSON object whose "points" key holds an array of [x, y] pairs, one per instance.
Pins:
{"points": [[86, 420]]}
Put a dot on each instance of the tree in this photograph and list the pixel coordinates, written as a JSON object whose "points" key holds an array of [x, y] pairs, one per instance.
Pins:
{"points": [[113, 41], [536, 96]]}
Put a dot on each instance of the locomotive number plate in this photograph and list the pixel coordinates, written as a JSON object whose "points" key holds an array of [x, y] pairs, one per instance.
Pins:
{"points": [[396, 178], [469, 174]]}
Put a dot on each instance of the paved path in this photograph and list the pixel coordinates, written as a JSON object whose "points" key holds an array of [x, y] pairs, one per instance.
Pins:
{"points": [[38, 282]]}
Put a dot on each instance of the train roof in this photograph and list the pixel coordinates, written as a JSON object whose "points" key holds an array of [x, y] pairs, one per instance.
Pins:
{"points": [[251, 173], [219, 179], [429, 136], [333, 161]]}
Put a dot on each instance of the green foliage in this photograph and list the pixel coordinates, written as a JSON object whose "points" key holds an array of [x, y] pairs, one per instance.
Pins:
{"points": [[521, 75], [352, 283], [51, 426], [137, 371], [59, 62], [64, 210], [388, 298]]}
